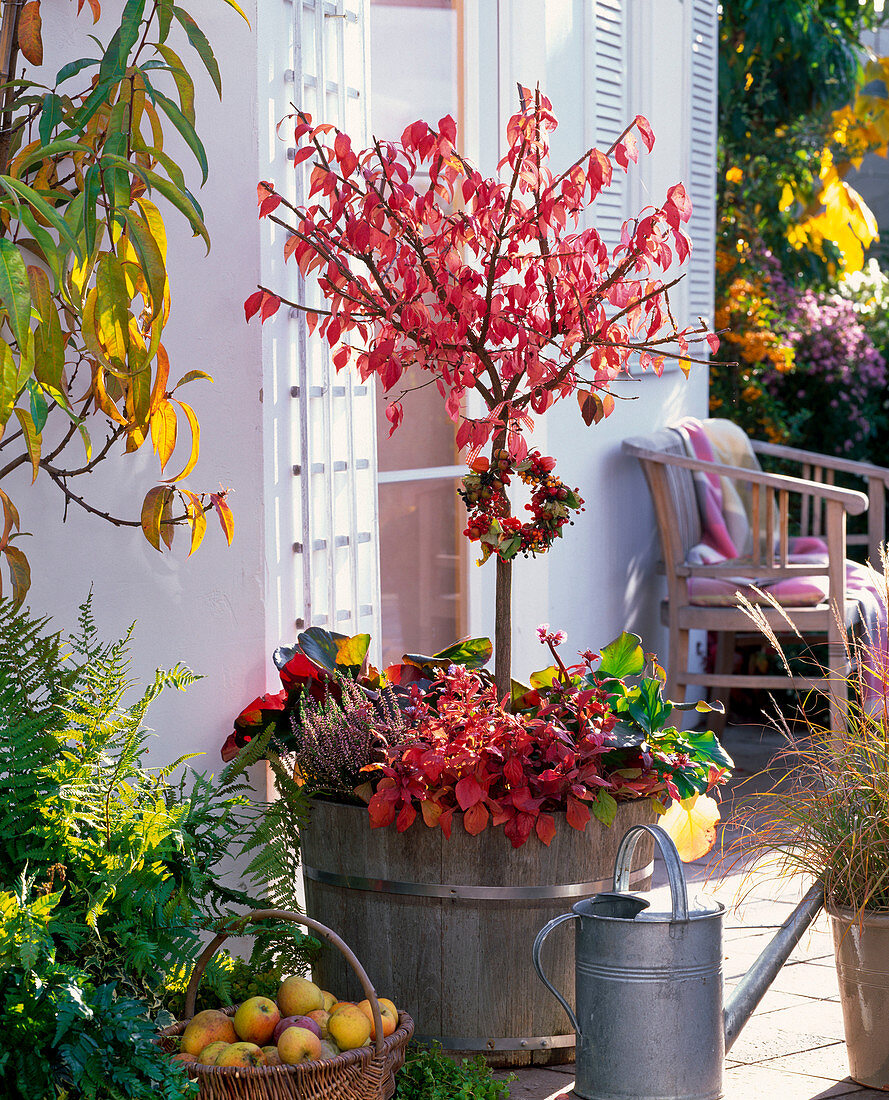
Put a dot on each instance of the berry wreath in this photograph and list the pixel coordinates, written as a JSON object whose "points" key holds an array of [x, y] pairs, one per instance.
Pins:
{"points": [[484, 493]]}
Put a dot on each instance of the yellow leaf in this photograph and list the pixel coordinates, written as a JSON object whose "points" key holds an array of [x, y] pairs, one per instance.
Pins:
{"points": [[19, 572], [195, 441], [33, 440], [163, 432], [152, 513], [691, 825], [197, 519], [10, 518]]}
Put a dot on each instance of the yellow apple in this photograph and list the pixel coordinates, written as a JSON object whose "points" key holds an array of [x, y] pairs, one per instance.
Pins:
{"points": [[241, 1054], [272, 1057], [348, 1026], [205, 1028], [211, 1052], [298, 1044], [387, 1010], [320, 1017], [256, 1020], [297, 996], [329, 1000]]}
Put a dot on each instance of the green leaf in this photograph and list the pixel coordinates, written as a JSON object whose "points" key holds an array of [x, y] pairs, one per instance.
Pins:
{"points": [[164, 18], [97, 99], [184, 83], [622, 657], [470, 652], [21, 191], [185, 128], [333, 652], [63, 146], [706, 744], [201, 44], [15, 292], [50, 117], [39, 408], [75, 67], [150, 259], [623, 736], [92, 185], [604, 807], [181, 199]]}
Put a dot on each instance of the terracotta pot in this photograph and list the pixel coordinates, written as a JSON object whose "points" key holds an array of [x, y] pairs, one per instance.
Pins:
{"points": [[445, 927], [861, 943]]}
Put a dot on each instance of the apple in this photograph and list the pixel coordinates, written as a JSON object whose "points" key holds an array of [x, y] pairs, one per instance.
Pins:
{"points": [[348, 1026], [388, 1011], [297, 996], [320, 1017], [211, 1052], [297, 1045], [329, 1000], [241, 1054], [183, 1057], [205, 1028], [329, 1049], [295, 1021], [256, 1020], [272, 1057]]}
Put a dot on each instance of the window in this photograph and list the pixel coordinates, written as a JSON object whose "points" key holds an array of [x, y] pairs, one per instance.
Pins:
{"points": [[415, 63]]}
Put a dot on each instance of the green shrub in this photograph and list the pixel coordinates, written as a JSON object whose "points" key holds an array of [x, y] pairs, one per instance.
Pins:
{"points": [[118, 866], [429, 1074]]}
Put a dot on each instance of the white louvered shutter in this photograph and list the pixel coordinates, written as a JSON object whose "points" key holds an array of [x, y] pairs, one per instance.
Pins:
{"points": [[702, 158], [320, 425], [608, 76]]}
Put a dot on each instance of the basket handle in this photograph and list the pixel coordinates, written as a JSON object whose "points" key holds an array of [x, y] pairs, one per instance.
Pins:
{"points": [[237, 925]]}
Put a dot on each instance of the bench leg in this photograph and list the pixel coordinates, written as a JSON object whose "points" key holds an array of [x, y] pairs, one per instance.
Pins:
{"points": [[725, 660], [677, 668]]}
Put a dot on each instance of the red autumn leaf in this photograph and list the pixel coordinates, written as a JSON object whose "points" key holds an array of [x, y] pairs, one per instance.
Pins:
{"points": [[302, 155], [469, 792], [431, 812], [518, 829], [406, 817], [475, 820], [381, 811], [578, 813], [394, 414], [271, 303], [545, 827], [513, 772], [643, 126], [252, 304]]}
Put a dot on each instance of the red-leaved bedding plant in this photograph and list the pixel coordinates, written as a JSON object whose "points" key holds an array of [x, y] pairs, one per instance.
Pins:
{"points": [[493, 286], [571, 750]]}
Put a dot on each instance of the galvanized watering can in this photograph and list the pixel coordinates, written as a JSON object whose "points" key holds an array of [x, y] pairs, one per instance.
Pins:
{"points": [[650, 1020]]}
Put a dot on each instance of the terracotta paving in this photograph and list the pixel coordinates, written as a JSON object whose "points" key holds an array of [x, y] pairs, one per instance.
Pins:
{"points": [[793, 1046]]}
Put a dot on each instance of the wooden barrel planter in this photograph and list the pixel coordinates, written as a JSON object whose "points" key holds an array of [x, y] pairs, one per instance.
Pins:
{"points": [[445, 926]]}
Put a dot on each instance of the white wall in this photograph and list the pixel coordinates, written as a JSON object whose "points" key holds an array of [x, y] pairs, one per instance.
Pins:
{"points": [[208, 611]]}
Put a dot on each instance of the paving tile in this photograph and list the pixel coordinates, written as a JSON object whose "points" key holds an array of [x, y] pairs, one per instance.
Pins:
{"points": [[775, 1000], [765, 1083], [822, 1017], [761, 1041], [825, 1061], [538, 1083], [810, 979]]}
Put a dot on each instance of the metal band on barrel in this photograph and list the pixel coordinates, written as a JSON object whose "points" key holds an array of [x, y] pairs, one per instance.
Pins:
{"points": [[470, 893], [531, 1042]]}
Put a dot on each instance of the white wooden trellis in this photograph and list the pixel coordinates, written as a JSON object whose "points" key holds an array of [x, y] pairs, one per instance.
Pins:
{"points": [[320, 425]]}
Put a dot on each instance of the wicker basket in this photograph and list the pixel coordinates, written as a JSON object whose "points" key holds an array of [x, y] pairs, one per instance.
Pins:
{"points": [[364, 1074]]}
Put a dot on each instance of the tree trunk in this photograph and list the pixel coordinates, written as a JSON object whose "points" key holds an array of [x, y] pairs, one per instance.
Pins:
{"points": [[503, 630]]}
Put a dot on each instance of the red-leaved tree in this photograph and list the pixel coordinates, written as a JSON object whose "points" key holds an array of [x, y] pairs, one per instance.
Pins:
{"points": [[492, 286]]}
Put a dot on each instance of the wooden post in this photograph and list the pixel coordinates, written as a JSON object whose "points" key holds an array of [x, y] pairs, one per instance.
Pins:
{"points": [[503, 629]]}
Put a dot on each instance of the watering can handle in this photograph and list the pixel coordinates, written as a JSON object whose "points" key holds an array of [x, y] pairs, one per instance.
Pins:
{"points": [[675, 874], [538, 943]]}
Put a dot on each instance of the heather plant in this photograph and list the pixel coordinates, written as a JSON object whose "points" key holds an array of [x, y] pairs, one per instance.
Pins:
{"points": [[336, 738]]}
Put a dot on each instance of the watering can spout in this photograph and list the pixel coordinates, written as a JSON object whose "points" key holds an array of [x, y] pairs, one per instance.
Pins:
{"points": [[752, 987]]}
